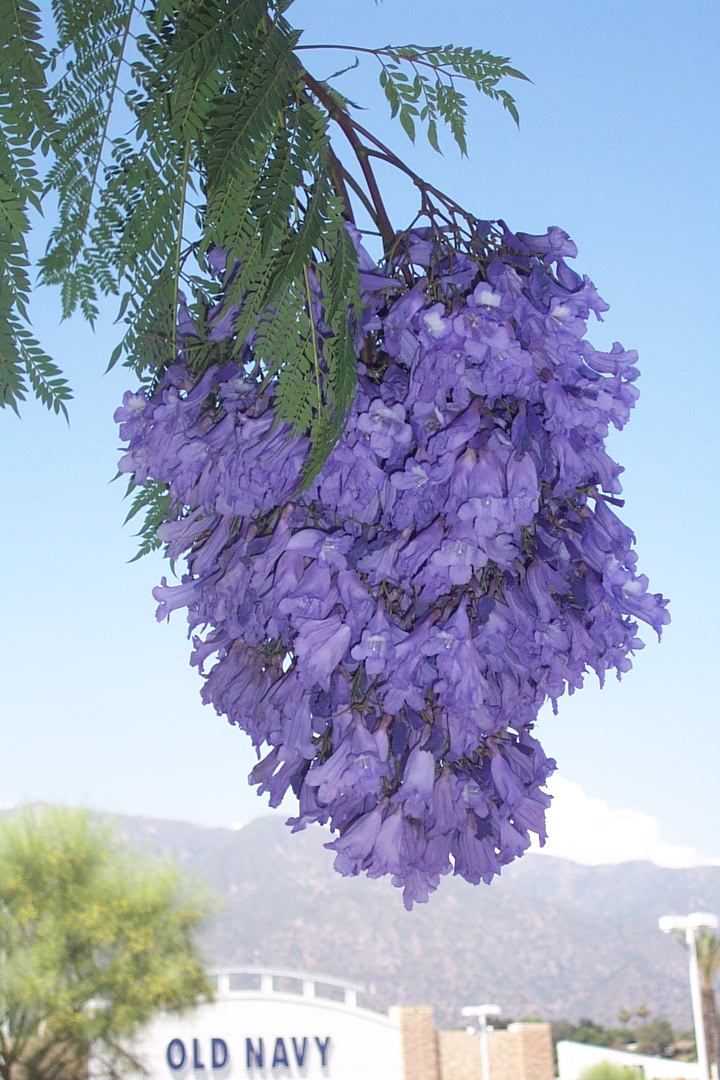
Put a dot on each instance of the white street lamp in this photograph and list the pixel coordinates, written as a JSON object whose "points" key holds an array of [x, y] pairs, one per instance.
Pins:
{"points": [[689, 925], [482, 1012]]}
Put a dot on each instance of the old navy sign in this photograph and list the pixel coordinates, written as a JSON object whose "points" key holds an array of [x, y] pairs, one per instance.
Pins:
{"points": [[257, 1054]]}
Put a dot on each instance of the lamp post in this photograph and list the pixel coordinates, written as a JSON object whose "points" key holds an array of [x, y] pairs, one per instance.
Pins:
{"points": [[481, 1012], [689, 925]]}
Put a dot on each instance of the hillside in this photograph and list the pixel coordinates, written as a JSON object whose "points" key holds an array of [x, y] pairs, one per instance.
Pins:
{"points": [[549, 938]]}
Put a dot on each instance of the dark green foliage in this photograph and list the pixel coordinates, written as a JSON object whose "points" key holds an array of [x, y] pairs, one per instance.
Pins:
{"points": [[587, 1031], [27, 128], [337, 276], [172, 127], [88, 62], [655, 1036], [121, 200], [434, 97], [219, 115], [607, 1070], [154, 500]]}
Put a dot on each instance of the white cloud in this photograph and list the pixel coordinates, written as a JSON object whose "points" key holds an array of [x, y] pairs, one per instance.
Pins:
{"points": [[587, 830]]}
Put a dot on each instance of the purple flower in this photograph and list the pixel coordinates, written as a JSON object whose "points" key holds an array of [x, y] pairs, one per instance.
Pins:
{"points": [[473, 858], [377, 646], [389, 635], [320, 645], [172, 597], [354, 847], [461, 556], [385, 428], [313, 597], [356, 766], [553, 244], [416, 790]]}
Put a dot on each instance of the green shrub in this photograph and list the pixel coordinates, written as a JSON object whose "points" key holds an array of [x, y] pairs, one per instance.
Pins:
{"points": [[607, 1070]]}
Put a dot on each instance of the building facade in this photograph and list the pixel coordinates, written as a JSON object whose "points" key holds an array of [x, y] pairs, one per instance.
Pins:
{"points": [[281, 1025]]}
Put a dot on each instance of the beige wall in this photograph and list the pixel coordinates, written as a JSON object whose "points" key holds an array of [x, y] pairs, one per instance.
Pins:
{"points": [[459, 1055], [419, 1041], [522, 1052]]}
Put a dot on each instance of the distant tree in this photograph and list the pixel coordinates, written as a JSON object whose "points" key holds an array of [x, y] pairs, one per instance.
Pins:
{"points": [[708, 955], [655, 1037], [620, 1037], [93, 941], [591, 1033], [562, 1030]]}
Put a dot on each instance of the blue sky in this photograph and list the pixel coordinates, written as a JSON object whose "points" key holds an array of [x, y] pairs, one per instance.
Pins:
{"points": [[618, 145]]}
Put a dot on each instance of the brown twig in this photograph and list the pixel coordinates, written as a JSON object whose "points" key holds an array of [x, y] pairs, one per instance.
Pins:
{"points": [[339, 182], [348, 127]]}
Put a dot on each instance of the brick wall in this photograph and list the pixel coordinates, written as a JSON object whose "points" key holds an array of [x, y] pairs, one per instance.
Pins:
{"points": [[521, 1052], [459, 1056], [419, 1041], [505, 1054], [535, 1050]]}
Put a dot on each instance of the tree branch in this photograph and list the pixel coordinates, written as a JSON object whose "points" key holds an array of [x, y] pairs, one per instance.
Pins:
{"points": [[348, 127]]}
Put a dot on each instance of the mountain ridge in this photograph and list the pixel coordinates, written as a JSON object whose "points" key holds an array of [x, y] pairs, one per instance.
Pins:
{"points": [[550, 937]]}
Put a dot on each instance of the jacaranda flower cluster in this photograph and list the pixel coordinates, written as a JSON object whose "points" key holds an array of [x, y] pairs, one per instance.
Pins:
{"points": [[388, 636]]}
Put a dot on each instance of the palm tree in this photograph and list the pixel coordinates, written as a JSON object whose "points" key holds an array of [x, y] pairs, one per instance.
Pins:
{"points": [[708, 956]]}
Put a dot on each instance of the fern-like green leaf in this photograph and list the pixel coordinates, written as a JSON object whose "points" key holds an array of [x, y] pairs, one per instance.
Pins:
{"points": [[27, 126], [90, 58], [154, 501], [432, 92], [177, 126]]}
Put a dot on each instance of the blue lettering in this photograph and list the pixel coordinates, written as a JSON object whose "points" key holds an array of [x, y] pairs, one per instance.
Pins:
{"points": [[218, 1053], [197, 1063], [299, 1053], [253, 1056], [280, 1056], [175, 1054], [324, 1048]]}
